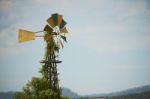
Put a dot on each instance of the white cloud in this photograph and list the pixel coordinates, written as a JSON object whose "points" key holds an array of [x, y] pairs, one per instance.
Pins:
{"points": [[112, 38], [126, 29], [9, 42], [125, 9], [5, 5], [104, 37], [115, 45]]}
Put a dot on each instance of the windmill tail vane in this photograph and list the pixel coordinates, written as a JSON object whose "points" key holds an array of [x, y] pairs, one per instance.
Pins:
{"points": [[25, 35]]}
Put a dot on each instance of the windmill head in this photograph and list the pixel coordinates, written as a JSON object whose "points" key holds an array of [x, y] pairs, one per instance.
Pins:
{"points": [[55, 26]]}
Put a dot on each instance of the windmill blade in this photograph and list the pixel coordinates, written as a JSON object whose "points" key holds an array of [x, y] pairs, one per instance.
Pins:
{"points": [[59, 19], [64, 38], [63, 23], [25, 35], [55, 16], [47, 37], [64, 30], [51, 22], [61, 43], [48, 29], [56, 20]]}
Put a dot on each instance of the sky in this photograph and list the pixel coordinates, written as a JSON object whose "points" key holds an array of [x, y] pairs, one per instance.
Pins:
{"points": [[108, 47]]}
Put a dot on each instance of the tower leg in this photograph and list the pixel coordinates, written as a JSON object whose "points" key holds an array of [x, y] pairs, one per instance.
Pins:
{"points": [[51, 74]]}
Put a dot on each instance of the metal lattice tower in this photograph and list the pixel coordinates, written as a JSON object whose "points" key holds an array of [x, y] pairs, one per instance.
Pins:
{"points": [[50, 72]]}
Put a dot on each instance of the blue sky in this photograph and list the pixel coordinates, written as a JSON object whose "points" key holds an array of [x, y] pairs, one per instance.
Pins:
{"points": [[108, 45]]}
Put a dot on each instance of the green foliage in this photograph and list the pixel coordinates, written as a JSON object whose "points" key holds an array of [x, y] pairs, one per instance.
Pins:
{"points": [[37, 88], [63, 97], [36, 85], [21, 95]]}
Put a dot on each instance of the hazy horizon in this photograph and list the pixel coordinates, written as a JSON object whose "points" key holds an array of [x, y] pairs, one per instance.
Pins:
{"points": [[108, 47]]}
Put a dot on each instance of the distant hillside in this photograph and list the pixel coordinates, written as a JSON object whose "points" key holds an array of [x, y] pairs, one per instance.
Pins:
{"points": [[132, 91], [6, 95], [124, 92], [65, 92], [69, 93], [143, 95]]}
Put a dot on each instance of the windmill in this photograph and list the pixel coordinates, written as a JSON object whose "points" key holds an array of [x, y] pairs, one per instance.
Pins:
{"points": [[54, 36]]}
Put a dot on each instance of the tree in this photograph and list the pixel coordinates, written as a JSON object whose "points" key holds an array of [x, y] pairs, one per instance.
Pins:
{"points": [[37, 88]]}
